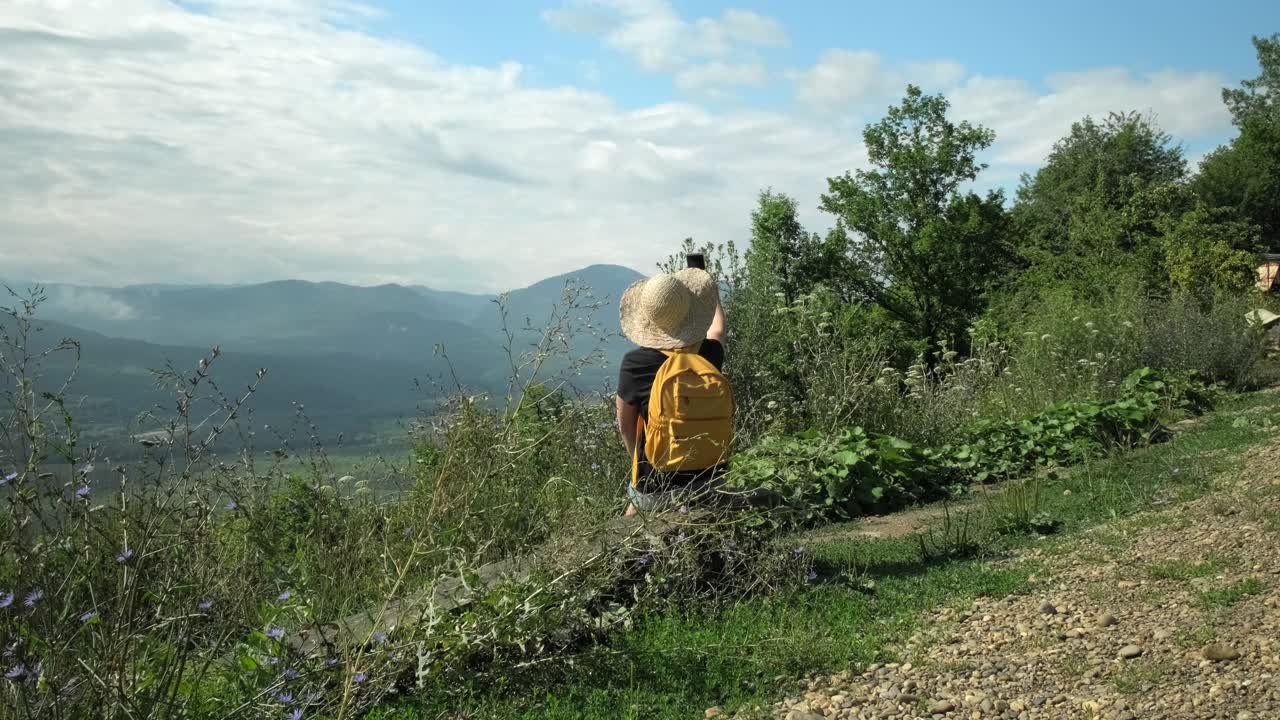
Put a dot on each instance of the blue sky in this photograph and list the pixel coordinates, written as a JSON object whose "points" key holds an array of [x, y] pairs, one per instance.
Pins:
{"points": [[481, 146]]}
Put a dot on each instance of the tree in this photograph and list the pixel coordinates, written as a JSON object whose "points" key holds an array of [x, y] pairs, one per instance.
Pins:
{"points": [[923, 250], [1258, 100], [1244, 175], [1098, 168]]}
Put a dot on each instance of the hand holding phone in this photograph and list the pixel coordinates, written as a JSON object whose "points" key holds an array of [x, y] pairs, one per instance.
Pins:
{"points": [[696, 260]]}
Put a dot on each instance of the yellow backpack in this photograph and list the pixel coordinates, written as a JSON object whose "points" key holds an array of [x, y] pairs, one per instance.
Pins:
{"points": [[690, 420]]}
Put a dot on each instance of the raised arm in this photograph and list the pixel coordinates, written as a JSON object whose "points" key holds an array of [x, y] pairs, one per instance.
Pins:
{"points": [[716, 331]]}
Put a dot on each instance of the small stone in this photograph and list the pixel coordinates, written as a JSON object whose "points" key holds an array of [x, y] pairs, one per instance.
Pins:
{"points": [[1048, 609], [802, 715], [1218, 652], [1106, 619], [713, 712], [1129, 652], [908, 699], [941, 706], [1162, 635]]}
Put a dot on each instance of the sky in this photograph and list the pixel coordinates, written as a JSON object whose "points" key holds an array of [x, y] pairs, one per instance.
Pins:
{"points": [[483, 146]]}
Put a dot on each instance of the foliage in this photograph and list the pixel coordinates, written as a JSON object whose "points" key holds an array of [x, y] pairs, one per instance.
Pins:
{"points": [[851, 473], [927, 251], [1245, 174]]}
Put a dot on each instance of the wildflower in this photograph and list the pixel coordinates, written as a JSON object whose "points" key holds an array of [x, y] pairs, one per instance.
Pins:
{"points": [[205, 604], [359, 678], [331, 661], [379, 637], [284, 595], [83, 491], [16, 672], [295, 714], [231, 505], [813, 575], [285, 697], [275, 632], [595, 466], [680, 537], [798, 551], [407, 532], [128, 553], [88, 616], [6, 599], [33, 597], [684, 508], [290, 674], [9, 478], [86, 468], [272, 660], [646, 559]]}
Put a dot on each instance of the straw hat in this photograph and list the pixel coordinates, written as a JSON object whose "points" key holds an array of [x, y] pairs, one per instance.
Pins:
{"points": [[669, 311]]}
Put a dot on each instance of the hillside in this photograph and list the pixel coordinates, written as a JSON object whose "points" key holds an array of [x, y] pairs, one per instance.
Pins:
{"points": [[352, 355]]}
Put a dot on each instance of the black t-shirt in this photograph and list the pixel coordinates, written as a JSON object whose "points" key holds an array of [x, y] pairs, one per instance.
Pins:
{"points": [[635, 382]]}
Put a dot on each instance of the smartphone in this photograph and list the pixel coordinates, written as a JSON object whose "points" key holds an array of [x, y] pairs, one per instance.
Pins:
{"points": [[696, 260]]}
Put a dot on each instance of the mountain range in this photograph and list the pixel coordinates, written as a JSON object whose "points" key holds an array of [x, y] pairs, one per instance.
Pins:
{"points": [[352, 355]]}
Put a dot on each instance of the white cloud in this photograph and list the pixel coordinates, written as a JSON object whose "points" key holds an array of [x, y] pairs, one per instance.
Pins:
{"points": [[706, 55], [1027, 121], [140, 141], [144, 142], [715, 75], [844, 80], [87, 301]]}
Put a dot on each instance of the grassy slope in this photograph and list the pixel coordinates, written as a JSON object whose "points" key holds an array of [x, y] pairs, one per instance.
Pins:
{"points": [[673, 667]]}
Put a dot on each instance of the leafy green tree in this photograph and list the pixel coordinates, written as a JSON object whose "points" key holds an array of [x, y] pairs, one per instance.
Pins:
{"points": [[1206, 254], [1244, 175], [924, 251], [1097, 169]]}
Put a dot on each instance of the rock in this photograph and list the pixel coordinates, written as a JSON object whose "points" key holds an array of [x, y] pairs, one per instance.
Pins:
{"points": [[1217, 652], [1106, 619], [941, 706], [713, 712], [1047, 608], [1129, 652], [802, 715], [908, 699], [1161, 635]]}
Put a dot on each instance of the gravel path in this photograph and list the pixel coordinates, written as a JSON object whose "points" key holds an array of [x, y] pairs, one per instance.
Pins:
{"points": [[1173, 613]]}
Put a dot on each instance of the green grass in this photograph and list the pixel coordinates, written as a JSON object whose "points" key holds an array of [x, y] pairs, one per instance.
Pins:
{"points": [[1138, 676], [1199, 637], [1182, 569], [1231, 594], [675, 665]]}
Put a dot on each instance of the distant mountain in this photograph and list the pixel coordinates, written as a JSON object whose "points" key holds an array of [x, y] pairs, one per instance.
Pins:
{"points": [[344, 351]]}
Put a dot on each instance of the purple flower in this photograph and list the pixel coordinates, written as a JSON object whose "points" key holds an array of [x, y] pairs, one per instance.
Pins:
{"points": [[684, 508], [88, 616], [275, 632], [595, 466], [331, 661], [645, 559], [83, 491], [6, 599], [379, 637], [290, 674], [284, 595], [272, 660], [33, 597], [205, 604], [285, 697], [798, 551], [128, 553], [231, 505], [16, 672], [813, 575], [9, 478], [408, 532], [359, 678], [295, 714]]}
